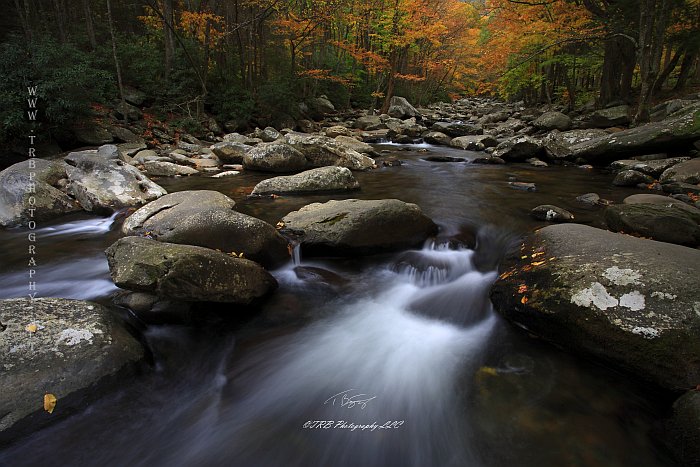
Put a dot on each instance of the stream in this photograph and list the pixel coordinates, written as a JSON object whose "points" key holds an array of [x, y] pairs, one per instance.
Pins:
{"points": [[390, 360]]}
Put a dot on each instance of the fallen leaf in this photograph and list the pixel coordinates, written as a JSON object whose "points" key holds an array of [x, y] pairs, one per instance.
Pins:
{"points": [[49, 402], [523, 257], [522, 288], [280, 225], [241, 255], [487, 370], [32, 327], [507, 274], [535, 255], [523, 300], [537, 263]]}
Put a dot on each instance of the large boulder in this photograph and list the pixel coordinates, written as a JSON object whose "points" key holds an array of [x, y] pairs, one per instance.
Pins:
{"points": [[629, 301], [321, 151], [557, 144], [631, 178], [18, 206], [207, 219], [185, 272], [610, 117], [678, 132], [369, 123], [399, 107], [105, 184], [666, 223], [436, 137], [355, 145], [274, 157], [230, 152], [322, 179], [319, 107], [685, 172], [93, 135], [552, 121], [349, 227], [518, 149], [61, 347]]}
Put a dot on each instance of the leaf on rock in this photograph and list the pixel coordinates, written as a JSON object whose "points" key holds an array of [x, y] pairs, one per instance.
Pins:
{"points": [[31, 327], [49, 402]]}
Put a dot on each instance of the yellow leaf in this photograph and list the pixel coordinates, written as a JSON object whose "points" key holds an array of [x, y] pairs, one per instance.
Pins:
{"points": [[241, 255], [31, 328], [49, 402], [487, 370], [280, 225], [539, 253], [537, 263]]}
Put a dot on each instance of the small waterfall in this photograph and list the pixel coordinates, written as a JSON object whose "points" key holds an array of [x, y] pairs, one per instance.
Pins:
{"points": [[296, 254]]}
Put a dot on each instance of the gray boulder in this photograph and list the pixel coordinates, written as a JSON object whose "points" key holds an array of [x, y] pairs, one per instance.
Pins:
{"points": [[320, 107], [337, 130], [321, 151], [631, 178], [610, 117], [230, 152], [350, 227], [665, 223], [185, 272], [128, 112], [274, 157], [369, 123], [552, 121], [47, 202], [73, 348], [629, 301], [103, 185], [436, 137], [168, 169], [551, 213], [474, 142], [645, 198], [685, 172], [650, 167], [677, 132], [399, 107], [311, 181], [268, 134], [517, 149], [207, 219], [557, 144]]}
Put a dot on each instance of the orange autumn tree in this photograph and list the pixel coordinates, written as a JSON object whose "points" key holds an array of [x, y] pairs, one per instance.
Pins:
{"points": [[527, 47]]}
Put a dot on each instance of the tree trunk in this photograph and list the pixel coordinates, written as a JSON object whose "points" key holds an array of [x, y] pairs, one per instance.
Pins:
{"points": [[168, 38], [653, 18], [89, 25], [668, 69], [114, 50], [689, 60]]}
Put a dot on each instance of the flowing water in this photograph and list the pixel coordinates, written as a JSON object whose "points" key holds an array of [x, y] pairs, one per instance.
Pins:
{"points": [[396, 359]]}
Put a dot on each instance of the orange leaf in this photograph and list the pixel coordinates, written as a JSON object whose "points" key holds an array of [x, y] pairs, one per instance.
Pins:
{"points": [[49, 402], [523, 300]]}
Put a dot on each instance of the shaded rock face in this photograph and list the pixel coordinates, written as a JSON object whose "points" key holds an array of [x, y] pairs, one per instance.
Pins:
{"points": [[314, 180], [185, 272], [666, 223], [683, 428], [435, 137], [558, 144], [349, 227], [207, 219], [48, 202], [76, 344], [93, 136], [629, 301], [103, 185], [354, 144], [679, 131], [321, 151]]}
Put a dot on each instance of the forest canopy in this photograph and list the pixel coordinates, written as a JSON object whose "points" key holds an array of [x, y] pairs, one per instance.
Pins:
{"points": [[243, 60]]}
